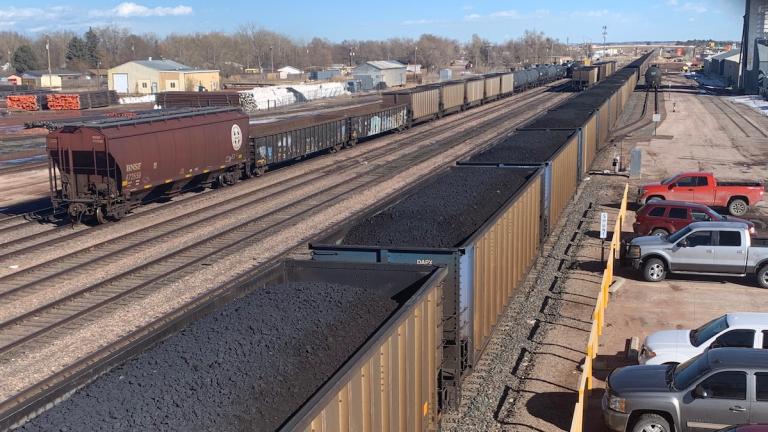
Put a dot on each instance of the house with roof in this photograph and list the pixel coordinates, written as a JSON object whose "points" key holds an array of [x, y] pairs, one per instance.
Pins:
{"points": [[285, 71], [380, 74], [45, 79], [152, 76]]}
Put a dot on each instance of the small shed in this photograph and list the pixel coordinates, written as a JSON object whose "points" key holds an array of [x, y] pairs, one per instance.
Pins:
{"points": [[286, 71], [732, 68], [14, 79], [388, 73]]}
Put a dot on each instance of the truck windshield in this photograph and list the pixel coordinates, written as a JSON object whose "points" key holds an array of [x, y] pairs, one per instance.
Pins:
{"points": [[678, 235], [686, 373], [708, 330]]}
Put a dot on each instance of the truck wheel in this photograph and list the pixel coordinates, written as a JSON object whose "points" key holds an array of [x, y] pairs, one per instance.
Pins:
{"points": [[659, 232], [762, 276], [737, 207], [651, 423], [654, 270], [653, 198]]}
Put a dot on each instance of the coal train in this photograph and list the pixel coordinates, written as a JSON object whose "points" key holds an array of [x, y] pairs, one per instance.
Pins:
{"points": [[102, 168]]}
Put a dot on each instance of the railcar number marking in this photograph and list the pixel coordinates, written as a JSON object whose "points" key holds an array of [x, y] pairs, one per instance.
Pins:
{"points": [[133, 167], [424, 261]]}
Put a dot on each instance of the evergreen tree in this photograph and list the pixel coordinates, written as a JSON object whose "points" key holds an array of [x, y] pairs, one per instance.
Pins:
{"points": [[92, 48], [76, 50], [24, 59]]}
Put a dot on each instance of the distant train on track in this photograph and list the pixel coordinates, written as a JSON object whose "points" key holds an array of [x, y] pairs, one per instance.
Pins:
{"points": [[100, 169], [653, 77]]}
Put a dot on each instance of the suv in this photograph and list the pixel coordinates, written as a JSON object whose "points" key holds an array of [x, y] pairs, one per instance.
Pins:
{"points": [[665, 217], [735, 330], [716, 389]]}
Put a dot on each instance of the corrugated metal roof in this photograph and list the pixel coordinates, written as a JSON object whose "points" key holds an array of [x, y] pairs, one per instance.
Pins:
{"points": [[724, 55], [163, 65], [386, 64]]}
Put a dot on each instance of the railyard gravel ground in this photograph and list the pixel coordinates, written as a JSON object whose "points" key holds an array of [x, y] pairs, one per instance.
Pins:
{"points": [[443, 212], [34, 366], [248, 366]]}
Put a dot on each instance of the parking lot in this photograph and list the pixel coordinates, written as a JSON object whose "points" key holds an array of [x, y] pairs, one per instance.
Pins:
{"points": [[704, 133]]}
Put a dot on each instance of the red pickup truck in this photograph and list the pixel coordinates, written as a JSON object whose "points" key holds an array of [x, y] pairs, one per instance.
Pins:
{"points": [[703, 188]]}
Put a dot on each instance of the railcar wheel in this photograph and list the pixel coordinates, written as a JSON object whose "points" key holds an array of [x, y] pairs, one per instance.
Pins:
{"points": [[99, 216], [260, 170]]}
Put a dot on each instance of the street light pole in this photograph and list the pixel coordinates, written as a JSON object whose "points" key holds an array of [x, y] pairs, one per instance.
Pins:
{"points": [[48, 51], [272, 57], [605, 33]]}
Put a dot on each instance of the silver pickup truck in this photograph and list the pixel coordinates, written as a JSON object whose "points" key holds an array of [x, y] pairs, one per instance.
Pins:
{"points": [[708, 248], [716, 389]]}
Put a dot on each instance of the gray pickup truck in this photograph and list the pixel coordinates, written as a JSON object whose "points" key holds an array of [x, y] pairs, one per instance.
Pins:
{"points": [[708, 248], [718, 388]]}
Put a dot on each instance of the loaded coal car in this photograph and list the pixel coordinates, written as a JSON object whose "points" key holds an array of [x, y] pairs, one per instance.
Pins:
{"points": [[474, 91], [102, 168], [482, 223], [303, 346], [423, 102], [557, 152]]}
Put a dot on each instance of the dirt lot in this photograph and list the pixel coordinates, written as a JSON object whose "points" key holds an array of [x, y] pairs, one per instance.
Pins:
{"points": [[698, 132]]}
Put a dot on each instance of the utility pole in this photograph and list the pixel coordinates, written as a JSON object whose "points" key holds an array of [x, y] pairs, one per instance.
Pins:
{"points": [[272, 57], [351, 54], [48, 51], [605, 33], [415, 49]]}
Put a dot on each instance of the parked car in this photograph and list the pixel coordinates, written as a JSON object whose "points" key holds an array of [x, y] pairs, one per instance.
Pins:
{"points": [[704, 188], [709, 248], [734, 330], [716, 389], [664, 217]]}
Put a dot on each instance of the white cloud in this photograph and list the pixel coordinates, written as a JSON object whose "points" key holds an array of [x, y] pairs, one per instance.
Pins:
{"points": [[591, 13], [130, 9], [693, 7], [422, 21], [13, 13], [508, 14]]}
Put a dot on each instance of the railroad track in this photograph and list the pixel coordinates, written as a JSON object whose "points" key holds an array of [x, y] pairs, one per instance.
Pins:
{"points": [[50, 238], [731, 113], [37, 327], [11, 169]]}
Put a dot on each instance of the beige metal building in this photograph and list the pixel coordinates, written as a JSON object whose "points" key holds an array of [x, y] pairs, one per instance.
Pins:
{"points": [[153, 76]]}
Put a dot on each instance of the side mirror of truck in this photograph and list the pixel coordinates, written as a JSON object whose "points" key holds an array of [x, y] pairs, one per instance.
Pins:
{"points": [[671, 186], [700, 393], [683, 243]]}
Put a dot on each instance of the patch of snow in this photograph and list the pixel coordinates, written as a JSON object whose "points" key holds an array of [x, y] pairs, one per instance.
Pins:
{"points": [[755, 102]]}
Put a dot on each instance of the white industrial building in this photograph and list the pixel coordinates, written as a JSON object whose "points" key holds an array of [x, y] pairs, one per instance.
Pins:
{"points": [[380, 74]]}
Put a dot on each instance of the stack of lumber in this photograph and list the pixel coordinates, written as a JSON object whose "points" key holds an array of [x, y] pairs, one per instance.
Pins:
{"points": [[27, 102], [81, 100], [178, 99]]}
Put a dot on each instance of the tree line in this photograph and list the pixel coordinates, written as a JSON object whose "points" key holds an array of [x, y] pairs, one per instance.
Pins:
{"points": [[251, 46]]}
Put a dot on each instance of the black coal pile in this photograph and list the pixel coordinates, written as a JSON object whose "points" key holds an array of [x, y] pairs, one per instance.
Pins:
{"points": [[247, 367], [526, 146], [444, 212]]}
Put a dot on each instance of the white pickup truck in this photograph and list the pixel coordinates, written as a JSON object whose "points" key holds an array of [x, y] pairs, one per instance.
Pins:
{"points": [[707, 248]]}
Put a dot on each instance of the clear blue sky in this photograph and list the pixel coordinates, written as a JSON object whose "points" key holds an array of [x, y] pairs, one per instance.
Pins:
{"points": [[577, 21]]}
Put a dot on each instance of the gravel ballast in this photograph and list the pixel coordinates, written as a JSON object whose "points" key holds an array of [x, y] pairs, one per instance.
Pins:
{"points": [[525, 146], [442, 213], [248, 366]]}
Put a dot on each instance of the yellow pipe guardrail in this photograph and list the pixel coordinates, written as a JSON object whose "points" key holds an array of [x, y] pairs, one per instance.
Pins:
{"points": [[598, 320]]}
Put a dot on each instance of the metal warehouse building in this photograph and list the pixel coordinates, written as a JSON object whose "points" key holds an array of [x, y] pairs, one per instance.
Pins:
{"points": [[152, 76], [372, 73]]}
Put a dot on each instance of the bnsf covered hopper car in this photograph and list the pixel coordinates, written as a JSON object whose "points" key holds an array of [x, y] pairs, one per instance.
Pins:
{"points": [[102, 168]]}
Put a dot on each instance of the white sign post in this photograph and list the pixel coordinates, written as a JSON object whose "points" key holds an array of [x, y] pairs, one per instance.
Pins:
{"points": [[603, 234]]}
